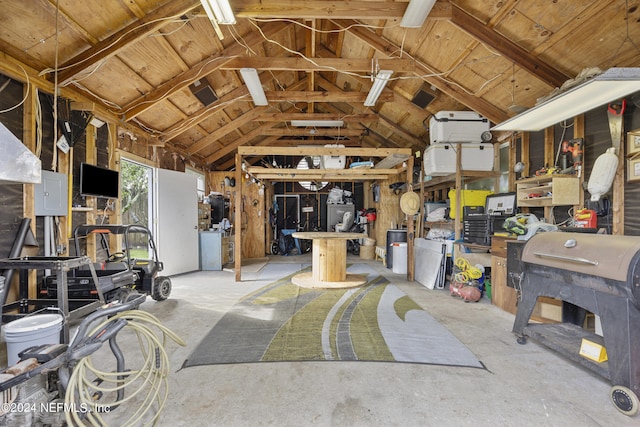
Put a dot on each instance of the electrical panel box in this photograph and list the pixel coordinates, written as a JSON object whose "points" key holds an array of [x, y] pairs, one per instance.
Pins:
{"points": [[51, 195]]}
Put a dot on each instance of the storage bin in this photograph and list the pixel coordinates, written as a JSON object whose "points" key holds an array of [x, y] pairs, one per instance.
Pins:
{"points": [[440, 159], [457, 126]]}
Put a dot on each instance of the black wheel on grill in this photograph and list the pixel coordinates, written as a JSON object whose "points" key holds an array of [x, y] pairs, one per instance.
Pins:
{"points": [[522, 340], [625, 400]]}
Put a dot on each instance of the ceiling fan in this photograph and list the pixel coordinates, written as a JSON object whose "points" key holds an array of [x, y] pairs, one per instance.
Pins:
{"points": [[514, 108]]}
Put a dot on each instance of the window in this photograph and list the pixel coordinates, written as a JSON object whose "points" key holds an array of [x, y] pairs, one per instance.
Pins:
{"points": [[201, 185]]}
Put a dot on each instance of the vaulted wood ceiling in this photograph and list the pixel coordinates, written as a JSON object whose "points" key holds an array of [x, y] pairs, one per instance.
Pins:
{"points": [[137, 58]]}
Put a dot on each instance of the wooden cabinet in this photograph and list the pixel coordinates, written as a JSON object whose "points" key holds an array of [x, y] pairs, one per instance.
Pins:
{"points": [[548, 190], [502, 295]]}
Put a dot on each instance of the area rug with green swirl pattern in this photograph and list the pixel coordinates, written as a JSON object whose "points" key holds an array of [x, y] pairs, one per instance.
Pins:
{"points": [[374, 322]]}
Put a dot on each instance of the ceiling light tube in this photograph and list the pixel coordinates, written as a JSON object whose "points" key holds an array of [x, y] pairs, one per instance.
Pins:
{"points": [[378, 85], [318, 123], [416, 13], [613, 84], [251, 79], [219, 10]]}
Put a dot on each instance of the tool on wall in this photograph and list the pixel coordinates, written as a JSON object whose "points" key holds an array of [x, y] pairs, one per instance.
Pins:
{"points": [[615, 110], [573, 146]]}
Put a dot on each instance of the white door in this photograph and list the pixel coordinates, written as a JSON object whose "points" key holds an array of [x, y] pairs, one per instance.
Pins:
{"points": [[177, 223]]}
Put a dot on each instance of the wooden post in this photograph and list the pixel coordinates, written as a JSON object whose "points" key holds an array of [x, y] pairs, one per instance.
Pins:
{"points": [[28, 194], [410, 225], [237, 221]]}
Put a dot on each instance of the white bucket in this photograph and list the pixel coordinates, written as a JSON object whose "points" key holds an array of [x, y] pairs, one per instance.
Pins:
{"points": [[31, 331], [399, 258]]}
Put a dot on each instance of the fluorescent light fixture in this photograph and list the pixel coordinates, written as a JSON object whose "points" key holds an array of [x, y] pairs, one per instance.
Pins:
{"points": [[318, 123], [379, 83], [613, 84], [416, 13], [251, 79], [219, 10]]}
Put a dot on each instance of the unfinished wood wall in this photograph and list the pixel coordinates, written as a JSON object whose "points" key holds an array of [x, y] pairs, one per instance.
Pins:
{"points": [[254, 217]]}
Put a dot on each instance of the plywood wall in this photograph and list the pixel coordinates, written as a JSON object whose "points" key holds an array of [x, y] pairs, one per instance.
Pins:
{"points": [[253, 222], [389, 215]]}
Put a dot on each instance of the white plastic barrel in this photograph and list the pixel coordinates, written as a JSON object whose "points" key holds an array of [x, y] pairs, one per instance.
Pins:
{"points": [[38, 329], [399, 257]]}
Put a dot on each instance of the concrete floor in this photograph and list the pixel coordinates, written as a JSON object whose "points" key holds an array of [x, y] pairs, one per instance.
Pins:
{"points": [[521, 386]]}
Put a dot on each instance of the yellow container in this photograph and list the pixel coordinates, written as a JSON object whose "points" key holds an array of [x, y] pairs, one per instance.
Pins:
{"points": [[467, 198]]}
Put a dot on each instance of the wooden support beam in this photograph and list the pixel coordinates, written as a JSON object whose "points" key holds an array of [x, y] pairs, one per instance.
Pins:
{"points": [[303, 9], [197, 71], [314, 132], [328, 151], [320, 96], [296, 63], [384, 47], [132, 33], [516, 54], [347, 118]]}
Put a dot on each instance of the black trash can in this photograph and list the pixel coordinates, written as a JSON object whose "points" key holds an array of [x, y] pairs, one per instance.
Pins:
{"points": [[394, 236]]}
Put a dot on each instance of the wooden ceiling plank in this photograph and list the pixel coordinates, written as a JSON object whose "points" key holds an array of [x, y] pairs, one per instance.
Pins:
{"points": [[214, 136], [245, 139], [510, 50], [399, 100], [384, 47], [130, 34], [201, 115], [294, 63], [197, 71], [293, 9], [72, 24]]}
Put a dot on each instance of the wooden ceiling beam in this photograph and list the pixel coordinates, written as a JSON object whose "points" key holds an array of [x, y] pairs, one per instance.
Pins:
{"points": [[295, 63], [337, 96], [510, 50], [347, 118], [323, 151], [400, 100], [217, 134], [301, 9], [314, 132], [291, 174], [243, 140], [132, 33], [384, 47], [197, 71]]}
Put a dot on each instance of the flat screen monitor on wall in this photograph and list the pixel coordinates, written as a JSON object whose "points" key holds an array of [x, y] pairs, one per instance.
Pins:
{"points": [[98, 182]]}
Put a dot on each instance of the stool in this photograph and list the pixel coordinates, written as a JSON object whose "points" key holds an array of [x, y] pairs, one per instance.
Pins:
{"points": [[381, 252]]}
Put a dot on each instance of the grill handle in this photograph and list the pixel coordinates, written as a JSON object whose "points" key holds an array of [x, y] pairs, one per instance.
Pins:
{"points": [[566, 258]]}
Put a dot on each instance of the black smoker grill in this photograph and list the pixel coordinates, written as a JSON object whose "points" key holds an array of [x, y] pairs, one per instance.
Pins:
{"points": [[595, 273]]}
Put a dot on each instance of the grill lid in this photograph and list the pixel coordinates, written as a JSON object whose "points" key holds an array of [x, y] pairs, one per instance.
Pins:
{"points": [[596, 254]]}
